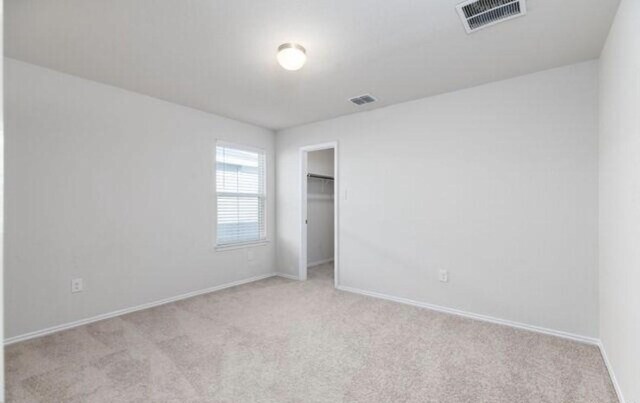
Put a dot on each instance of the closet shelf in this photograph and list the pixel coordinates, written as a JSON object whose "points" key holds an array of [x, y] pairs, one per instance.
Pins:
{"points": [[317, 176]]}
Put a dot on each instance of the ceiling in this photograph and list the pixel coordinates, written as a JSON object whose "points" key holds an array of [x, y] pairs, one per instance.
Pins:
{"points": [[220, 55]]}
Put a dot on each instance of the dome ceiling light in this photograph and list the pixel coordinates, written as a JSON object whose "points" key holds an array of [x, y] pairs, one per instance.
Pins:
{"points": [[291, 56]]}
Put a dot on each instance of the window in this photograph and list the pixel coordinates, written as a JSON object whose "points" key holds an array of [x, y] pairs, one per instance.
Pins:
{"points": [[241, 195]]}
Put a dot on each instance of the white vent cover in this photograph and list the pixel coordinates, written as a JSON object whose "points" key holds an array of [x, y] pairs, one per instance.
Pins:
{"points": [[363, 99], [478, 14]]}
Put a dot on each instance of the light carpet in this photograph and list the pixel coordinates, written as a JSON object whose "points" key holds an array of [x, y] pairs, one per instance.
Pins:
{"points": [[279, 340]]}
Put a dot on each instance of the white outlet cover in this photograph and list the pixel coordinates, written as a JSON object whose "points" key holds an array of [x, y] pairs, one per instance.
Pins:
{"points": [[444, 275], [77, 285]]}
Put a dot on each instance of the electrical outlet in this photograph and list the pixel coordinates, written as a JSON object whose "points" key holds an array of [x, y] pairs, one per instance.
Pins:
{"points": [[443, 275], [250, 254], [76, 285]]}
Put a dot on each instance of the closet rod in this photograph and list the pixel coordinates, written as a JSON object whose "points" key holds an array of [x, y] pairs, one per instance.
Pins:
{"points": [[319, 176]]}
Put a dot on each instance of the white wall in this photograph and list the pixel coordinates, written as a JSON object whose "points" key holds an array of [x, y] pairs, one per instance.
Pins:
{"points": [[320, 208], [320, 162], [620, 199], [116, 188], [497, 184], [1, 203]]}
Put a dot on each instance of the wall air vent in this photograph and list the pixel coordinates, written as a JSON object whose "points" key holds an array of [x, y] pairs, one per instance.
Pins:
{"points": [[363, 100], [478, 14]]}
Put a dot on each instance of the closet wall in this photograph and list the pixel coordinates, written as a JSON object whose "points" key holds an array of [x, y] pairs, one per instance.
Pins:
{"points": [[320, 208]]}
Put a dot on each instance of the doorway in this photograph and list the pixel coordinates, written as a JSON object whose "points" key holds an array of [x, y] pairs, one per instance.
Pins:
{"points": [[319, 207]]}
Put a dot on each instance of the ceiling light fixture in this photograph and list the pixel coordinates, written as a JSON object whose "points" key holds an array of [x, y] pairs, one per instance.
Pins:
{"points": [[291, 56]]}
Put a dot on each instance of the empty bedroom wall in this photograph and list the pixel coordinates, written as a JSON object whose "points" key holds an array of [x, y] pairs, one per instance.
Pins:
{"points": [[115, 188], [620, 199], [497, 184]]}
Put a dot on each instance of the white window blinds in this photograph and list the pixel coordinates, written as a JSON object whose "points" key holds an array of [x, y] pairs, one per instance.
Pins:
{"points": [[241, 196]]}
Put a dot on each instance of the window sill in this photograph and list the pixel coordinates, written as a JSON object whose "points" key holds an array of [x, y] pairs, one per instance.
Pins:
{"points": [[222, 248]]}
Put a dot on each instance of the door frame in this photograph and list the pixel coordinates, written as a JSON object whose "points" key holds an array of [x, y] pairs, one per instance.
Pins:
{"points": [[304, 151]]}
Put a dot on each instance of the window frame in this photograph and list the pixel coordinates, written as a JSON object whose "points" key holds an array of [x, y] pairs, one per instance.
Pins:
{"points": [[243, 244]]}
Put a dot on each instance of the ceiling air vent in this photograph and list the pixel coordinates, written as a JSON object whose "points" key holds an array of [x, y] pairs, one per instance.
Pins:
{"points": [[478, 14], [363, 100]]}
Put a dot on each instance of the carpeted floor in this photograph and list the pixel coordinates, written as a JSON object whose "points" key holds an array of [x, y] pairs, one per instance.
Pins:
{"points": [[279, 340]]}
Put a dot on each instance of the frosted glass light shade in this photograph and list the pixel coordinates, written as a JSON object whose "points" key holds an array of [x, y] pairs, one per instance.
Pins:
{"points": [[291, 56]]}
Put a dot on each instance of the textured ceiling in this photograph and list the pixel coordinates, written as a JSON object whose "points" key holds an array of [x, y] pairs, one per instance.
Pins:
{"points": [[219, 55]]}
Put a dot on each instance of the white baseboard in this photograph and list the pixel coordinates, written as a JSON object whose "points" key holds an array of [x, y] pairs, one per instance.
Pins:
{"points": [[319, 262], [65, 326], [289, 276], [470, 315], [612, 375]]}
